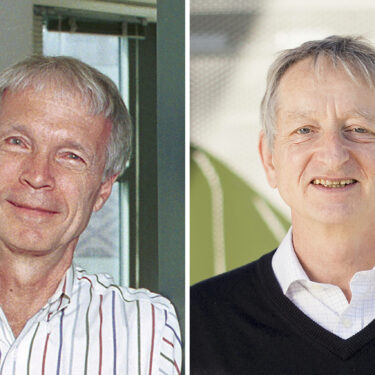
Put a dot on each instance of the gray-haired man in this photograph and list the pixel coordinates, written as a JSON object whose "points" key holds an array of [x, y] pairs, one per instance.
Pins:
{"points": [[65, 136], [309, 307]]}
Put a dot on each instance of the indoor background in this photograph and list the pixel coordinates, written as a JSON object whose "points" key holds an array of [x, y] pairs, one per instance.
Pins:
{"points": [[139, 237]]}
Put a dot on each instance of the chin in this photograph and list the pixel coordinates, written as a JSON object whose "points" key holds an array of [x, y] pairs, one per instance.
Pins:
{"points": [[32, 242], [35, 249], [337, 216]]}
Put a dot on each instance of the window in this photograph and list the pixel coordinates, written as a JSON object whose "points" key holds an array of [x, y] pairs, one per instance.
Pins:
{"points": [[104, 246]]}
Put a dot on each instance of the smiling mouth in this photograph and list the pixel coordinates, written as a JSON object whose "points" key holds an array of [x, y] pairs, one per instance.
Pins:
{"points": [[334, 184], [34, 209]]}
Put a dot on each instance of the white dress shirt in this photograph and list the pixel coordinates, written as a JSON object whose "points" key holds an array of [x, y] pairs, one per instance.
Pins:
{"points": [[91, 326], [325, 304]]}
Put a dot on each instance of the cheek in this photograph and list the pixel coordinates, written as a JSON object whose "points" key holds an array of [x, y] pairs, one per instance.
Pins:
{"points": [[365, 154], [85, 192], [291, 163], [10, 164], [10, 173], [78, 191]]}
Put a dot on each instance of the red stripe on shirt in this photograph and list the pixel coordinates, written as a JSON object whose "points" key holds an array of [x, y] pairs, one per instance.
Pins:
{"points": [[86, 278], [153, 337], [45, 354], [176, 367], [168, 342]]}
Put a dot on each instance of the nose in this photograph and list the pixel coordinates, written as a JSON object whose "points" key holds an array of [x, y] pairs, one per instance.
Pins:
{"points": [[332, 150], [36, 172]]}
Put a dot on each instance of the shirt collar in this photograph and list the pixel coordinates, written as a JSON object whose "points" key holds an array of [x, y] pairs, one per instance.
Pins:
{"points": [[62, 296], [286, 265], [288, 269]]}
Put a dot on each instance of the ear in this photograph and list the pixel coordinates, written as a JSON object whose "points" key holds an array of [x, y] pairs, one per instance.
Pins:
{"points": [[266, 157], [104, 192]]}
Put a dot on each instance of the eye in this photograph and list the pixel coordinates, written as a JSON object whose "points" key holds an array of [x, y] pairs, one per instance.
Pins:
{"points": [[71, 160], [360, 130], [304, 130], [72, 156], [360, 134], [14, 141]]}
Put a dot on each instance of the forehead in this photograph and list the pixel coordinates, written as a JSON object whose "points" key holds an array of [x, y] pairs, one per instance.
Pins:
{"points": [[308, 86], [316, 72], [51, 94], [50, 114], [49, 100]]}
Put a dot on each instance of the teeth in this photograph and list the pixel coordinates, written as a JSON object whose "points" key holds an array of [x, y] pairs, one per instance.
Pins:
{"points": [[333, 184]]}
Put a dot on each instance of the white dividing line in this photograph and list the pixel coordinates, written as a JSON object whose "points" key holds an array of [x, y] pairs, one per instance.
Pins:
{"points": [[217, 201]]}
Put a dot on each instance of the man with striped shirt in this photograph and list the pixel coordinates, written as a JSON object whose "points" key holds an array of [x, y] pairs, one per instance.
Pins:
{"points": [[65, 137], [309, 306]]}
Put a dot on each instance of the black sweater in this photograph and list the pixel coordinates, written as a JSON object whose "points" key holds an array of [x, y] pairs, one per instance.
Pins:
{"points": [[241, 323]]}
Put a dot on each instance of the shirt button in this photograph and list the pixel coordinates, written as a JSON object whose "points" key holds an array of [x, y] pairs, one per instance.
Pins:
{"points": [[347, 323]]}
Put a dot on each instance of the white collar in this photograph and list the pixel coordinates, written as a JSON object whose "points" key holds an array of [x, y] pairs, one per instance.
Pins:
{"points": [[286, 265], [288, 269]]}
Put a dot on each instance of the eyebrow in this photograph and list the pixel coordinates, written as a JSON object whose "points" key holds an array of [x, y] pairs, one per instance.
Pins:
{"points": [[13, 127], [357, 113], [77, 146], [66, 144], [300, 114], [361, 113]]}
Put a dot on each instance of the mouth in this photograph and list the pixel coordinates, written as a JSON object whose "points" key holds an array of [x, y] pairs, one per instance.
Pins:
{"points": [[334, 183], [35, 209]]}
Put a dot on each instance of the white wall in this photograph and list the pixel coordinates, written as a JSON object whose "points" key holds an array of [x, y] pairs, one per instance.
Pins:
{"points": [[16, 19]]}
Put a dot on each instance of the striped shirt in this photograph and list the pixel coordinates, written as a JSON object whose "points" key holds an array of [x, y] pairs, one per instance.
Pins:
{"points": [[92, 326], [325, 304]]}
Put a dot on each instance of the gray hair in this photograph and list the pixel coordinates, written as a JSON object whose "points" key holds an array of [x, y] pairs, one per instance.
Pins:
{"points": [[98, 92], [354, 54]]}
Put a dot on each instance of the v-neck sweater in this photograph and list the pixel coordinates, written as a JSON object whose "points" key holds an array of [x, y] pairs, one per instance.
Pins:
{"points": [[242, 323]]}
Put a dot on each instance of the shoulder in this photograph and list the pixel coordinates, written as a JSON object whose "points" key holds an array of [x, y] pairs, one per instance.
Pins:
{"points": [[145, 319], [224, 312], [103, 285], [226, 286]]}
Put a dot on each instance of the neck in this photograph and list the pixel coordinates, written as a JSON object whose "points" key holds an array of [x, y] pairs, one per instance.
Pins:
{"points": [[28, 280], [30, 269], [334, 253]]}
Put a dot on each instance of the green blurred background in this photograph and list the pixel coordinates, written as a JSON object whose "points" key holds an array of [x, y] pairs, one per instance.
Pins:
{"points": [[230, 223]]}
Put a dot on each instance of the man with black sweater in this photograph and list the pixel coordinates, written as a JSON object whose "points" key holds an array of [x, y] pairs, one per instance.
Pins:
{"points": [[309, 306]]}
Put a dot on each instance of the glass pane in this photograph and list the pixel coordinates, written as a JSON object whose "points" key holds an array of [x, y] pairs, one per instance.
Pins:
{"points": [[102, 247], [98, 247]]}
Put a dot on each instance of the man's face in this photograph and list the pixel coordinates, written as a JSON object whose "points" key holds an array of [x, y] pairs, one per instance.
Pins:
{"points": [[323, 161], [52, 156]]}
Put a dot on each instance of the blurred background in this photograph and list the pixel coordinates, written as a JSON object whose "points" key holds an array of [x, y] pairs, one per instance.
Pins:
{"points": [[235, 216]]}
